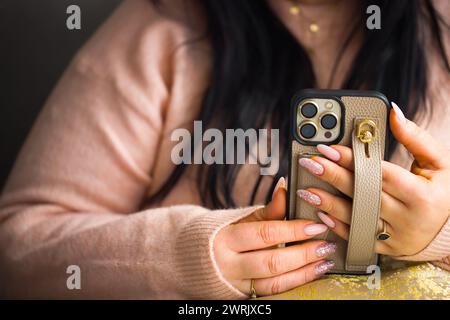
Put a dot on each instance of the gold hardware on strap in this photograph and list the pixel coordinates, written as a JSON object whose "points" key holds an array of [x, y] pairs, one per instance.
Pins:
{"points": [[366, 131]]}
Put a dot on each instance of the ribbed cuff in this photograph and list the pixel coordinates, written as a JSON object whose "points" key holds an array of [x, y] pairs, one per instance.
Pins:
{"points": [[438, 249], [196, 265], [444, 263]]}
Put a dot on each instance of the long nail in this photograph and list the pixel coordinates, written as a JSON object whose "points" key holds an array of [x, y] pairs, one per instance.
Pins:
{"points": [[315, 229], [309, 197], [398, 113], [325, 249], [324, 267], [329, 152], [280, 184], [326, 219], [311, 165]]}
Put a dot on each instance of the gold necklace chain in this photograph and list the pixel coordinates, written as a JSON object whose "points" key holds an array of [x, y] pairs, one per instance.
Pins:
{"points": [[295, 10]]}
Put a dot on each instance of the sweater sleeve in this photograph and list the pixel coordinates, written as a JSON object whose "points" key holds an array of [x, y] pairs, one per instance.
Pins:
{"points": [[74, 194]]}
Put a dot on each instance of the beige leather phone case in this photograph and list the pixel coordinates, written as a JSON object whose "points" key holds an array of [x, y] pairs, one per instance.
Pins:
{"points": [[364, 130]]}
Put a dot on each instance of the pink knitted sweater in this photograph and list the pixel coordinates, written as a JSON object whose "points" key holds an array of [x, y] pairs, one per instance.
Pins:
{"points": [[99, 147]]}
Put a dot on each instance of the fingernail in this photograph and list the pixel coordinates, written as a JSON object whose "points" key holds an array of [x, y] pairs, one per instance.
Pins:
{"points": [[398, 113], [309, 197], [325, 249], [311, 165], [315, 229], [329, 152], [280, 184], [326, 219], [324, 267]]}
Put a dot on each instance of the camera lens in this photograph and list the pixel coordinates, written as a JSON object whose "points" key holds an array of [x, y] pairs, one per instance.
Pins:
{"points": [[308, 131], [328, 121], [309, 110]]}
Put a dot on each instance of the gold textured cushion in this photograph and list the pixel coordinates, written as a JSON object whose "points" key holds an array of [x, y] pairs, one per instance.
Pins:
{"points": [[410, 282]]}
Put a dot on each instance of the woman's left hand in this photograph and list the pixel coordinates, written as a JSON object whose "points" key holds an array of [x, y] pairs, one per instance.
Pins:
{"points": [[415, 204]]}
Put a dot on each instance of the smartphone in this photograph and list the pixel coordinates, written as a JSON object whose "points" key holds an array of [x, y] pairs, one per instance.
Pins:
{"points": [[329, 117]]}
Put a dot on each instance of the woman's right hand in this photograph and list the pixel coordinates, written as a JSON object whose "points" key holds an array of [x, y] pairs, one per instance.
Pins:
{"points": [[248, 250]]}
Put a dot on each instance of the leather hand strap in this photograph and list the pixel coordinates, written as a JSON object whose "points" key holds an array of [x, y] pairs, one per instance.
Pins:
{"points": [[367, 195]]}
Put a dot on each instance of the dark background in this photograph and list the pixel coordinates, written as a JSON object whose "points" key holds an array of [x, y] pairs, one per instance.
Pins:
{"points": [[35, 48]]}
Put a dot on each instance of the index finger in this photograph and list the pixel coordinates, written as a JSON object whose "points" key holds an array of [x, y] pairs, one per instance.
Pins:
{"points": [[425, 148], [340, 154], [263, 234]]}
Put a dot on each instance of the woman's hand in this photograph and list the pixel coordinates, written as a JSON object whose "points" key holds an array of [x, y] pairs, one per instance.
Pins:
{"points": [[248, 250], [415, 204]]}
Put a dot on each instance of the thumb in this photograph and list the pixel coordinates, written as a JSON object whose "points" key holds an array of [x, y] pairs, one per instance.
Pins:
{"points": [[276, 209], [425, 149]]}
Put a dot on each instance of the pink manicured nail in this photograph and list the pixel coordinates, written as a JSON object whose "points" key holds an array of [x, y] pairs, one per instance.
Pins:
{"points": [[324, 267], [326, 249], [309, 197], [311, 165], [315, 229], [326, 219], [398, 113], [329, 152], [280, 184]]}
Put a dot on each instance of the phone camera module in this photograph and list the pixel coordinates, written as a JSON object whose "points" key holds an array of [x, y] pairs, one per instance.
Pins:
{"points": [[328, 121], [308, 130], [308, 110]]}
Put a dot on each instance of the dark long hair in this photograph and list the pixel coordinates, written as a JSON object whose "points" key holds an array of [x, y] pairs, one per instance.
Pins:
{"points": [[258, 66]]}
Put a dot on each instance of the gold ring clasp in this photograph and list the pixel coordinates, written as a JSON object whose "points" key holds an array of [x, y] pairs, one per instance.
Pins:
{"points": [[366, 131]]}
